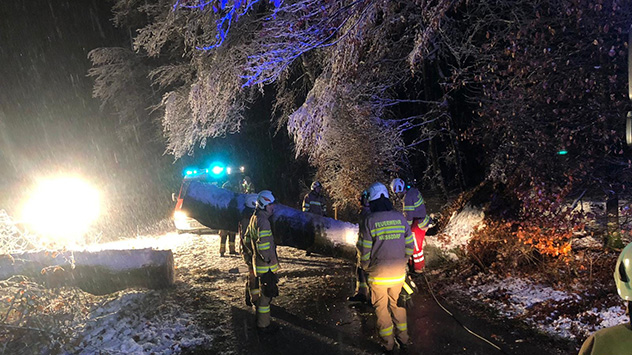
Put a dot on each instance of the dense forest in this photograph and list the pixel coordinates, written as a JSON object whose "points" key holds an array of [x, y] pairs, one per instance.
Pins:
{"points": [[528, 96]]}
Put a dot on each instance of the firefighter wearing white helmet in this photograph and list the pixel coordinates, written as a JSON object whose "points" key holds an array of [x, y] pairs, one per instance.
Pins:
{"points": [[616, 339], [264, 256], [385, 244], [314, 201], [414, 208], [252, 284]]}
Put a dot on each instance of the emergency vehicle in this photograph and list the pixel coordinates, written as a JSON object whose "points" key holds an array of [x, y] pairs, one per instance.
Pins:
{"points": [[217, 174]]}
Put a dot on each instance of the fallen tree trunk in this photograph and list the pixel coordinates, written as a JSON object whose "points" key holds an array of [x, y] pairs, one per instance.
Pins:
{"points": [[99, 273], [218, 208]]}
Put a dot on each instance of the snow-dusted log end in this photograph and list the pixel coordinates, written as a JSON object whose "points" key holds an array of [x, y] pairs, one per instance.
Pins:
{"points": [[99, 272], [218, 208]]}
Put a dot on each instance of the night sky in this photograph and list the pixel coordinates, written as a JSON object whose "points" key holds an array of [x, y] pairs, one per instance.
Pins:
{"points": [[51, 125], [48, 119], [49, 122]]}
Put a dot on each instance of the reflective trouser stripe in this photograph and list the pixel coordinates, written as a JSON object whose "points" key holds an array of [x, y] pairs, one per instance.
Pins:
{"points": [[362, 284], [387, 280], [402, 326], [263, 309], [254, 291], [386, 331], [418, 257]]}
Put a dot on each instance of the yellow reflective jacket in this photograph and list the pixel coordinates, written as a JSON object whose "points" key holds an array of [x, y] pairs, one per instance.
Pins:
{"points": [[414, 207], [314, 203], [264, 256], [385, 244]]}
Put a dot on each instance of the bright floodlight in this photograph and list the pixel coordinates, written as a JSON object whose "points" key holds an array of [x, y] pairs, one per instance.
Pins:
{"points": [[62, 209], [229, 170], [242, 169]]}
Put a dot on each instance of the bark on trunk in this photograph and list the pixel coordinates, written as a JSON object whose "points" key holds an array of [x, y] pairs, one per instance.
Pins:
{"points": [[218, 208], [99, 273]]}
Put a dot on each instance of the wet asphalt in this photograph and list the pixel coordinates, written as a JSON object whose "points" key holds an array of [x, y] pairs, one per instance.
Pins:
{"points": [[312, 316]]}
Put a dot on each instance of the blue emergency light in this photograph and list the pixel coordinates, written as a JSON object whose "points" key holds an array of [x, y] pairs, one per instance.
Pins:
{"points": [[217, 169], [562, 152]]}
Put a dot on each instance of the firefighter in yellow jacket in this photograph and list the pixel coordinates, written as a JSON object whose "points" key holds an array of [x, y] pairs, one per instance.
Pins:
{"points": [[618, 339], [252, 284], [314, 201], [414, 209], [386, 243], [264, 258]]}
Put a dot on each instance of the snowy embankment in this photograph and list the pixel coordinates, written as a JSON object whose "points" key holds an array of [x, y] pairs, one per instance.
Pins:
{"points": [[140, 321], [553, 311]]}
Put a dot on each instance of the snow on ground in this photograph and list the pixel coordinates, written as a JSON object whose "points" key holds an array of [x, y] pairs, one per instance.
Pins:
{"points": [[139, 321], [541, 306], [458, 231]]}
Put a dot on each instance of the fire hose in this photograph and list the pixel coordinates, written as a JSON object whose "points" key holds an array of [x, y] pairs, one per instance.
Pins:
{"points": [[458, 321]]}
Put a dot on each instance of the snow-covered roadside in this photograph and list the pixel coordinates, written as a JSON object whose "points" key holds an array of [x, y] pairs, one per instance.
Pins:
{"points": [[539, 305], [545, 308], [140, 321]]}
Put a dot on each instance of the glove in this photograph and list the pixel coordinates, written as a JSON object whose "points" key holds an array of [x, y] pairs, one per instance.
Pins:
{"points": [[247, 294], [269, 284], [405, 298]]}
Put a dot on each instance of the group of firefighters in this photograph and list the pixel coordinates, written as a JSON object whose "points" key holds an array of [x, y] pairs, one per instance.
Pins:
{"points": [[390, 242]]}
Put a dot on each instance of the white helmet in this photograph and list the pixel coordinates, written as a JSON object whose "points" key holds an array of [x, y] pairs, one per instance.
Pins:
{"points": [[377, 190], [316, 184], [264, 198], [397, 185], [250, 201], [623, 273]]}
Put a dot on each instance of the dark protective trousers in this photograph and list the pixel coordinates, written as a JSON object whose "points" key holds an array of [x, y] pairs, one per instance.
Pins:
{"points": [[224, 236]]}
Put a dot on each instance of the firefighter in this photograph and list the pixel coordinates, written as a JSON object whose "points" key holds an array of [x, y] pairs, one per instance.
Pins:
{"points": [[616, 339], [414, 210], [227, 235], [247, 187], [386, 243], [314, 201], [264, 257], [252, 284], [362, 287]]}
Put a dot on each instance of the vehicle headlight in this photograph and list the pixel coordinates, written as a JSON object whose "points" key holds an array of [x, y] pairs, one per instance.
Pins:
{"points": [[62, 209], [179, 215]]}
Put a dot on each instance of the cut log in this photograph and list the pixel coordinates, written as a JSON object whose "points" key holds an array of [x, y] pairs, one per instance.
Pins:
{"points": [[99, 272], [218, 208]]}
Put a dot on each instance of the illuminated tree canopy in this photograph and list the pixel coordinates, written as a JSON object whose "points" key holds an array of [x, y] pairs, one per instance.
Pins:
{"points": [[364, 86]]}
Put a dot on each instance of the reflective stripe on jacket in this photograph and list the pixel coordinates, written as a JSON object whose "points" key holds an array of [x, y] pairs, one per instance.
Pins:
{"points": [[314, 203], [414, 207], [263, 248], [385, 244], [244, 239]]}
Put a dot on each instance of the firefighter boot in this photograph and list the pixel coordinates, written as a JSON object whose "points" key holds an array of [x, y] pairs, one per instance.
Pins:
{"points": [[358, 297]]}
